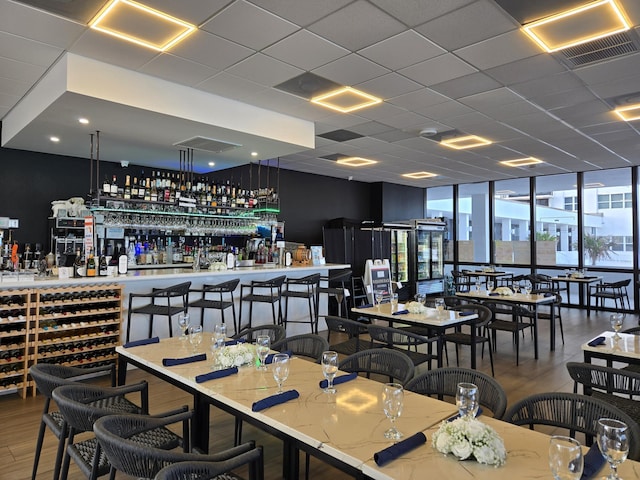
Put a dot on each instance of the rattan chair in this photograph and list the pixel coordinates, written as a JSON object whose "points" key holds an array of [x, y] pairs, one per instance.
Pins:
{"points": [[196, 470], [352, 328], [573, 412], [117, 437], [380, 361], [275, 332], [307, 345], [82, 405], [521, 319], [47, 378], [616, 291], [405, 342], [443, 382]]}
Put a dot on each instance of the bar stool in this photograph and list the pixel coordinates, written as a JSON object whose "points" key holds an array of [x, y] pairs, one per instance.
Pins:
{"points": [[305, 287], [336, 286], [263, 291], [165, 294], [220, 304]]}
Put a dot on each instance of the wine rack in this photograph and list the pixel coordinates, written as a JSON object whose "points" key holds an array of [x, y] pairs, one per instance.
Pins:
{"points": [[77, 325], [15, 317]]}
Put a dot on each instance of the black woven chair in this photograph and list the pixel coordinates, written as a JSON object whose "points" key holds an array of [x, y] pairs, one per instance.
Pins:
{"points": [[47, 378], [117, 435], [262, 291], [82, 405], [352, 328], [573, 412], [218, 302], [275, 332], [521, 319], [615, 386], [334, 286], [443, 382], [405, 342], [461, 281], [463, 334], [303, 288], [616, 291], [213, 470], [307, 345], [380, 361]]}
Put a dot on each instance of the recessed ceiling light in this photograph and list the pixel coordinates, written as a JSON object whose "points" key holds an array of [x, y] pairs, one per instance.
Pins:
{"points": [[83, 120], [576, 26], [419, 175], [54, 139], [254, 154], [211, 164], [629, 113], [521, 162], [142, 25], [355, 161], [462, 143], [346, 99]]}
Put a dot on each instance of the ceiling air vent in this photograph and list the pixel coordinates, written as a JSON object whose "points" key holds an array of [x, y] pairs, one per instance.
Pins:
{"points": [[599, 50], [207, 144]]}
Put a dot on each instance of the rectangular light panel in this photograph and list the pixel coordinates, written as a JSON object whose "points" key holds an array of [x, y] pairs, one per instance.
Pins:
{"points": [[419, 175], [629, 113], [521, 162], [346, 99], [355, 161], [462, 143]]}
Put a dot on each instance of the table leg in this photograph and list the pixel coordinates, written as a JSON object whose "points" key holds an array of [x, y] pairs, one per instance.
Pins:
{"points": [[122, 370], [473, 347], [290, 460], [535, 331], [200, 424], [552, 328]]}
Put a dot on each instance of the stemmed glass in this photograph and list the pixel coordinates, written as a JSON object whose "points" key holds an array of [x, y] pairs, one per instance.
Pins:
{"points": [[616, 319], [613, 441], [478, 285], [440, 305], [220, 334], [329, 369], [183, 322], [490, 286], [195, 337], [280, 369], [527, 288], [565, 458], [378, 297], [467, 400], [392, 397], [263, 343]]}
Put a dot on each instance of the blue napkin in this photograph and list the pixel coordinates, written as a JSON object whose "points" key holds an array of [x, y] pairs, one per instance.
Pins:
{"points": [[138, 343], [597, 341], [494, 294], [394, 451], [276, 399], [589, 278], [593, 462], [339, 379], [228, 343], [466, 313], [400, 312], [170, 362], [368, 305], [269, 358], [217, 374], [549, 294], [457, 415]]}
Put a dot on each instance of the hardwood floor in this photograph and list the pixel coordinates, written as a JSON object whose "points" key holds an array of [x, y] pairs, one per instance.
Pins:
{"points": [[20, 418]]}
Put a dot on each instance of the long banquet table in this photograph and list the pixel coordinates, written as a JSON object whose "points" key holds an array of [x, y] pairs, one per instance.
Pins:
{"points": [[345, 429]]}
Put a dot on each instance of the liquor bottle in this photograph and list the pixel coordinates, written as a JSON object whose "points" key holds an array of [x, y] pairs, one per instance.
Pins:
{"points": [[147, 190], [141, 188], [102, 265], [134, 188], [127, 187], [154, 191], [78, 265], [91, 265], [106, 187], [114, 187]]}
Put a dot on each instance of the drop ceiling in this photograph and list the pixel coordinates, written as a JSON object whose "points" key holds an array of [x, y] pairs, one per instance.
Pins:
{"points": [[455, 65]]}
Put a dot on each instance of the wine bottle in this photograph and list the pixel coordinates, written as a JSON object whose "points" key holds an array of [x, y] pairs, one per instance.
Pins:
{"points": [[78, 265], [106, 187], [114, 187], [102, 265], [134, 188], [91, 265], [127, 187]]}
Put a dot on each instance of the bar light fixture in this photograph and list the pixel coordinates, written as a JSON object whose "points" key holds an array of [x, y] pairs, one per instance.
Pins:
{"points": [[589, 22], [419, 175], [355, 161], [629, 113], [346, 99], [521, 162], [467, 141], [142, 25]]}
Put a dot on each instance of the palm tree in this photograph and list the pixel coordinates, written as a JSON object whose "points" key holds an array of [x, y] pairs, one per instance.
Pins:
{"points": [[597, 248]]}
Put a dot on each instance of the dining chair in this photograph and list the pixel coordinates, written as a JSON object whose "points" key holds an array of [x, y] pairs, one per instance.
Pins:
{"points": [[262, 291], [380, 361], [352, 328], [199, 470], [275, 332], [307, 345], [117, 435], [305, 288], [520, 319], [572, 412], [443, 382], [616, 291], [403, 341], [218, 302]]}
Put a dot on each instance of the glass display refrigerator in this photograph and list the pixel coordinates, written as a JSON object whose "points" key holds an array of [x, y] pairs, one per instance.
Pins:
{"points": [[427, 256]]}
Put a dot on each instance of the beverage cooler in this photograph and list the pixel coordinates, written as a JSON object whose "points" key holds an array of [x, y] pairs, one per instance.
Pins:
{"points": [[427, 259]]}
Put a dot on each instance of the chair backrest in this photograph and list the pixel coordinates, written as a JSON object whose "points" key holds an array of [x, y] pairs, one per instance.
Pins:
{"points": [[339, 324], [395, 336], [197, 470], [181, 289], [275, 282], [610, 380], [275, 332], [49, 376], [380, 361], [573, 412], [312, 279], [307, 345], [485, 315], [224, 287], [443, 382]]}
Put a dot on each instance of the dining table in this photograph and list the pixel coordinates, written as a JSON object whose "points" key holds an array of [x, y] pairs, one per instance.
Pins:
{"points": [[623, 348], [429, 318], [488, 275], [582, 283]]}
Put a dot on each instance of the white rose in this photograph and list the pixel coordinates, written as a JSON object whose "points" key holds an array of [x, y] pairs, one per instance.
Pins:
{"points": [[442, 442], [238, 360], [462, 449], [484, 454], [475, 430]]}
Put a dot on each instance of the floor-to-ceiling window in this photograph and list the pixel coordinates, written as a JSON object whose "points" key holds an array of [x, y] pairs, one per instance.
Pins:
{"points": [[440, 205], [512, 222], [473, 223]]}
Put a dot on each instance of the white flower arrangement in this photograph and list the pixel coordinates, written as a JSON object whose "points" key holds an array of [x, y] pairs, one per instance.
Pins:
{"points": [[466, 438], [236, 355], [415, 307], [504, 291]]}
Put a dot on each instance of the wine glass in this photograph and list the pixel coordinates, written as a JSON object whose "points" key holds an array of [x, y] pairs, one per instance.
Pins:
{"points": [[394, 302], [478, 285], [392, 397], [263, 343], [195, 337], [467, 400], [613, 441], [565, 458], [378, 297], [183, 322], [490, 286], [329, 369], [419, 298], [280, 369], [616, 319], [527, 288], [440, 305], [220, 334]]}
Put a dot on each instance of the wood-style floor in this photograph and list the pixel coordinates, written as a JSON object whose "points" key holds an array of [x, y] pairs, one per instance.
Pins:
{"points": [[20, 418]]}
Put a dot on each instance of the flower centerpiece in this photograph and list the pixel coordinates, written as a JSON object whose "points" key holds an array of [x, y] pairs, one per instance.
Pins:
{"points": [[415, 307], [503, 291], [470, 438], [236, 355]]}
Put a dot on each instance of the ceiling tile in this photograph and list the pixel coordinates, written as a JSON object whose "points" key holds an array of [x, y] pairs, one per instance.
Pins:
{"points": [[586, 113], [248, 25], [420, 98], [467, 122], [8, 101], [481, 20], [177, 69], [357, 25], [227, 85], [444, 110], [211, 50], [306, 50], [415, 12], [545, 86], [106, 48], [438, 70], [20, 71], [616, 87], [264, 70], [499, 50], [499, 96], [367, 128], [351, 70], [192, 11], [563, 99], [620, 67], [402, 50], [406, 120], [389, 86], [393, 135], [28, 51], [520, 71], [468, 85], [381, 111], [301, 13], [13, 87]]}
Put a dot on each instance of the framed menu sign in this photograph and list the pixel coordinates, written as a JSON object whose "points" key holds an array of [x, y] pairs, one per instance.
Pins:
{"points": [[377, 279]]}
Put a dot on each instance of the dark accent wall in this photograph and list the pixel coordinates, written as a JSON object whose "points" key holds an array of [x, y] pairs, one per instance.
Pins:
{"points": [[391, 202]]}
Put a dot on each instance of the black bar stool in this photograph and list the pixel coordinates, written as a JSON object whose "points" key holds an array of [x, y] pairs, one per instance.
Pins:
{"points": [[220, 304], [337, 282], [305, 287], [165, 308], [263, 291]]}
